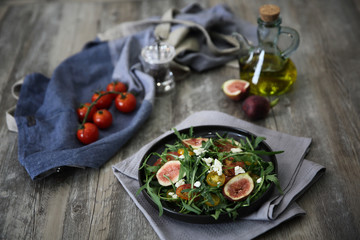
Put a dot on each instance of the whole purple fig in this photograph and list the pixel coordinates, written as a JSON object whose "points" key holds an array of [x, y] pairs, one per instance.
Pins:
{"points": [[257, 107]]}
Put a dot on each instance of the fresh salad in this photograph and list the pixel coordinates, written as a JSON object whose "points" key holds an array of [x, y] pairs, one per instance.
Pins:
{"points": [[208, 176]]}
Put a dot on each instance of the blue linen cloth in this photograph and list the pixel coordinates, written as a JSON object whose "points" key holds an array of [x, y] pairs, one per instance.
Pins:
{"points": [[46, 110]]}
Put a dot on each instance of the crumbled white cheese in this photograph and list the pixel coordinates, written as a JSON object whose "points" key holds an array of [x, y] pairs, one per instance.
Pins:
{"points": [[180, 182], [173, 195], [236, 150], [181, 156], [199, 151], [208, 161], [197, 184], [258, 180], [238, 170], [216, 167]]}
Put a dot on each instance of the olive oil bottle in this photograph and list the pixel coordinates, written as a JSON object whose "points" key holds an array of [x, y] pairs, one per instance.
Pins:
{"points": [[269, 70]]}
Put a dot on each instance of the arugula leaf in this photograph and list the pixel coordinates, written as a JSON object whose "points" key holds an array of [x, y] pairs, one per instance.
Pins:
{"points": [[177, 133], [273, 178], [191, 208], [257, 141]]}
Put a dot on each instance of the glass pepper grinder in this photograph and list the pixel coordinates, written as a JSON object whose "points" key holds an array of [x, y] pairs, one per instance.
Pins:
{"points": [[157, 57], [269, 69]]}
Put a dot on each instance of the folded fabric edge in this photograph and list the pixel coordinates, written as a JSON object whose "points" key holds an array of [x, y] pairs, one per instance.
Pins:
{"points": [[312, 173]]}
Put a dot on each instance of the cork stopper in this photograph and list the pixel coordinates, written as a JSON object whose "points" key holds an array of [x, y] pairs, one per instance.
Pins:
{"points": [[269, 12]]}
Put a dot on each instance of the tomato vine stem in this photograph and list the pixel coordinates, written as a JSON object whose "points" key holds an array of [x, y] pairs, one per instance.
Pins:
{"points": [[93, 104]]}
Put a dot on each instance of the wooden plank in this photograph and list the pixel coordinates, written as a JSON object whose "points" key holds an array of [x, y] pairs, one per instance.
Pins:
{"points": [[35, 36]]}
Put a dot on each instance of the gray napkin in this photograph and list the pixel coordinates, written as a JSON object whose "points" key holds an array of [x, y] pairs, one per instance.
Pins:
{"points": [[294, 172]]}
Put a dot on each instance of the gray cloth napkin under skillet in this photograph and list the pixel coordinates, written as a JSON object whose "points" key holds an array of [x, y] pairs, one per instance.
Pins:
{"points": [[295, 175]]}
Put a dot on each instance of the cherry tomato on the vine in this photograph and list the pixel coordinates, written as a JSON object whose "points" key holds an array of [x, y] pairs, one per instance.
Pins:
{"points": [[102, 118], [88, 133], [81, 112], [104, 101], [125, 102], [116, 86]]}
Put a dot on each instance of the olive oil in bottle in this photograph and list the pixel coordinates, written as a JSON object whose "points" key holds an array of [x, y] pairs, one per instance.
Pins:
{"points": [[269, 70], [264, 79]]}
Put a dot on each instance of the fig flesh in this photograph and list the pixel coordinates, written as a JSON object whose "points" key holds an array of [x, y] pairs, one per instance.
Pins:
{"points": [[257, 107], [238, 187], [169, 172], [195, 143], [236, 89]]}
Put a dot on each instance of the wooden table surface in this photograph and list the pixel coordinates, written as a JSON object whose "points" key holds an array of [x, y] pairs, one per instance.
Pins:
{"points": [[324, 104]]}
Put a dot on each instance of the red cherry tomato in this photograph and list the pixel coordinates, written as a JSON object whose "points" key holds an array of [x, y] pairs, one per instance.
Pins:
{"points": [[102, 118], [181, 194], [81, 112], [88, 133], [104, 101], [125, 102], [116, 86]]}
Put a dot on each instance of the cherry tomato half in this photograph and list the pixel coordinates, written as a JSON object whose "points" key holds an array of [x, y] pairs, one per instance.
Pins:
{"points": [[102, 118], [213, 179], [181, 194], [215, 200], [125, 102], [81, 112], [104, 101], [116, 86], [181, 152], [88, 133]]}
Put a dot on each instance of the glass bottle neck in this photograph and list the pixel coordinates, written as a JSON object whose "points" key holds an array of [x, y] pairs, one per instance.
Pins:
{"points": [[268, 33]]}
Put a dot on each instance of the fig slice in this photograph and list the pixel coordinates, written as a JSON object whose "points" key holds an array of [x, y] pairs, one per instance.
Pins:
{"points": [[236, 89], [195, 143], [169, 171], [238, 187]]}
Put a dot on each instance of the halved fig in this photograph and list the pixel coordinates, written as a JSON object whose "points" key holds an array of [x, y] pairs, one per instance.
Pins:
{"points": [[238, 187], [236, 89], [171, 170], [195, 143]]}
